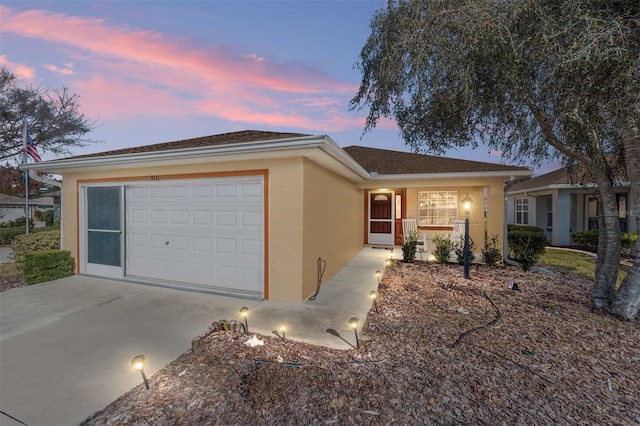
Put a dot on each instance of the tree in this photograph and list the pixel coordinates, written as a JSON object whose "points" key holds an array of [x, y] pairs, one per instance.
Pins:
{"points": [[53, 118], [532, 78]]}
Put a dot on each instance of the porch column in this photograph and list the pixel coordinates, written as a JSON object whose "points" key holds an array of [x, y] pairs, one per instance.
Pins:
{"points": [[561, 235]]}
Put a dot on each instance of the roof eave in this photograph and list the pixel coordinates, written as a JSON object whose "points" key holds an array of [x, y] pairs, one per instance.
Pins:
{"points": [[511, 174]]}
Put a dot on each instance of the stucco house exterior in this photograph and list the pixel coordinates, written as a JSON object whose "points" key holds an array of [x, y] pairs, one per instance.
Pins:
{"points": [[561, 206], [250, 213]]}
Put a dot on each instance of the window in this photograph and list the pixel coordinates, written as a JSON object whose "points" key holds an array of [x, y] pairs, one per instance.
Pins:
{"points": [[549, 213], [522, 211], [437, 208]]}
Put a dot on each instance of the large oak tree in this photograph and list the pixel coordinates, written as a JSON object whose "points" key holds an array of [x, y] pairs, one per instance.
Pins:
{"points": [[532, 78]]}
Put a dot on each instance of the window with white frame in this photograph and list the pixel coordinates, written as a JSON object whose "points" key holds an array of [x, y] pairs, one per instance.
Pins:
{"points": [[437, 208], [522, 211]]}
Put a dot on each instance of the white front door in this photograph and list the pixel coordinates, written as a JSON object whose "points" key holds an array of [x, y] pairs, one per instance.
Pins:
{"points": [[206, 233], [381, 217]]}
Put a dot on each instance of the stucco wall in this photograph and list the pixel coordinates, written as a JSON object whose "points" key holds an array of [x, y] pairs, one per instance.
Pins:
{"points": [[333, 222], [284, 183]]}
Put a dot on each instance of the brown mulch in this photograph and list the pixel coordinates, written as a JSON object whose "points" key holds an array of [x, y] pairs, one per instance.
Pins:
{"points": [[11, 281], [440, 350]]}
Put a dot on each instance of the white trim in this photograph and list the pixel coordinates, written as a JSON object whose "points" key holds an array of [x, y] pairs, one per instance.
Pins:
{"points": [[457, 175]]}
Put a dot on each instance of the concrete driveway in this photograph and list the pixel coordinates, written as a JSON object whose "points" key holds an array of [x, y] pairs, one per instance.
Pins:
{"points": [[66, 345]]}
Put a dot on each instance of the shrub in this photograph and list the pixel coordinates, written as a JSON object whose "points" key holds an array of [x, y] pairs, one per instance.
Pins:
{"points": [[47, 216], [8, 234], [628, 242], [18, 223], [491, 254], [459, 250], [28, 243], [444, 247], [524, 228], [47, 265], [410, 246], [587, 240], [526, 247]]}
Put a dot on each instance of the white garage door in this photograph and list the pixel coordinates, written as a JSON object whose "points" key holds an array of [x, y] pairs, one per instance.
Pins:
{"points": [[206, 233]]}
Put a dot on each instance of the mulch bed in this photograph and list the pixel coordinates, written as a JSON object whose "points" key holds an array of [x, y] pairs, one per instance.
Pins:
{"points": [[11, 281], [440, 350]]}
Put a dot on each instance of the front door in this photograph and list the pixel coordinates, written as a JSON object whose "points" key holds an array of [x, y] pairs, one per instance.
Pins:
{"points": [[381, 218], [102, 231]]}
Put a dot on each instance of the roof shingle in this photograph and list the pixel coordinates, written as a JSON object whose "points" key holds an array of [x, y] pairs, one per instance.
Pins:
{"points": [[389, 162]]}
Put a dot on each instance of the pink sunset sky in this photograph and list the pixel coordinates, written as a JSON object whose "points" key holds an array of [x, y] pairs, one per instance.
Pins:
{"points": [[158, 71]]}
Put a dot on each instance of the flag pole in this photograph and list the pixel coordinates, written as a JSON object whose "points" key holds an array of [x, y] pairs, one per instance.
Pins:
{"points": [[26, 177]]}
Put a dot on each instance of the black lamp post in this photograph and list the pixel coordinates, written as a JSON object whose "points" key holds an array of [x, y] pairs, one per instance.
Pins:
{"points": [[466, 204]]}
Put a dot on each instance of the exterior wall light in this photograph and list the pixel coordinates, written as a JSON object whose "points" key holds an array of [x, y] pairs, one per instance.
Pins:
{"points": [[353, 322], [466, 205], [244, 311], [138, 364]]}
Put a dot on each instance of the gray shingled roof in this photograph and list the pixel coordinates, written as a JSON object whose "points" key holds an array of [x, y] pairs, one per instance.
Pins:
{"points": [[204, 141], [388, 162]]}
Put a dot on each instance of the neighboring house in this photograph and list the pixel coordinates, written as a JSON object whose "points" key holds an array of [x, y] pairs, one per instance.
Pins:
{"points": [[251, 213], [560, 206], [13, 207]]}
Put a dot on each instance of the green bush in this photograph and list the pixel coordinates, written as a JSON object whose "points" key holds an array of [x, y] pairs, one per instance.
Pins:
{"points": [[8, 234], [459, 250], [410, 246], [47, 216], [29, 243], [47, 265], [587, 240], [524, 228], [628, 242], [491, 254], [526, 247], [444, 247], [18, 223]]}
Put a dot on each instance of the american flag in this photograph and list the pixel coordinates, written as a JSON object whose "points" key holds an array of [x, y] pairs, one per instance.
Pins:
{"points": [[31, 149]]}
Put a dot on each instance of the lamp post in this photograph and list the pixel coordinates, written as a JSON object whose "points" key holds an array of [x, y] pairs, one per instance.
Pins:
{"points": [[353, 322], [466, 204], [244, 311]]}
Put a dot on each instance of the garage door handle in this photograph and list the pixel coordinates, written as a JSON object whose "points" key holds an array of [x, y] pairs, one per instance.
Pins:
{"points": [[166, 243]]}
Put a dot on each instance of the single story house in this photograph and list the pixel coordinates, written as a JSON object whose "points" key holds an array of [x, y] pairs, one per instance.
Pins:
{"points": [[560, 206], [13, 207], [251, 212]]}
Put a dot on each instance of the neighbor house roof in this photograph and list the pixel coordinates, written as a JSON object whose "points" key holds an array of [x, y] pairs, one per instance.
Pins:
{"points": [[386, 162], [556, 177], [200, 142]]}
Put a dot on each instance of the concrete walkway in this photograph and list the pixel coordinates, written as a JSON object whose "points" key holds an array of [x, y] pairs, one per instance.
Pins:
{"points": [[66, 345]]}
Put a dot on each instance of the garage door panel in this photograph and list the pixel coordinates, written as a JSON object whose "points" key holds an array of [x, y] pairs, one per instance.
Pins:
{"points": [[214, 228]]}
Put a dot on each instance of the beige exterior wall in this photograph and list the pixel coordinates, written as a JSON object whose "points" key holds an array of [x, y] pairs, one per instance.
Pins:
{"points": [[474, 187], [284, 183], [333, 222]]}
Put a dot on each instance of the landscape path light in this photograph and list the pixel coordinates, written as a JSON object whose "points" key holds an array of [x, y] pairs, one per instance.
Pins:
{"points": [[378, 276], [466, 205], [283, 330], [244, 311], [374, 295], [353, 322], [138, 364]]}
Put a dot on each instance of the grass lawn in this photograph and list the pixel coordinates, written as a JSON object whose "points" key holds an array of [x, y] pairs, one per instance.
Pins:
{"points": [[574, 262]]}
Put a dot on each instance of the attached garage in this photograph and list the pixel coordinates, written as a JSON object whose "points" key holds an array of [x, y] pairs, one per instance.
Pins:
{"points": [[206, 233]]}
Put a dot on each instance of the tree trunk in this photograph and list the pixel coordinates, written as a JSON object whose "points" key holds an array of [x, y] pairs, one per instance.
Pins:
{"points": [[608, 260], [626, 302]]}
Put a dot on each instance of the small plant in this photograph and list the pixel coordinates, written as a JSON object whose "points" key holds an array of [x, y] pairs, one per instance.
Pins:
{"points": [[490, 252], [444, 247], [526, 247], [410, 246], [459, 250]]}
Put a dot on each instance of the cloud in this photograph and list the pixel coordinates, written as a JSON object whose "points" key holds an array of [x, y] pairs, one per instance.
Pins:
{"points": [[128, 71], [21, 71], [64, 71]]}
